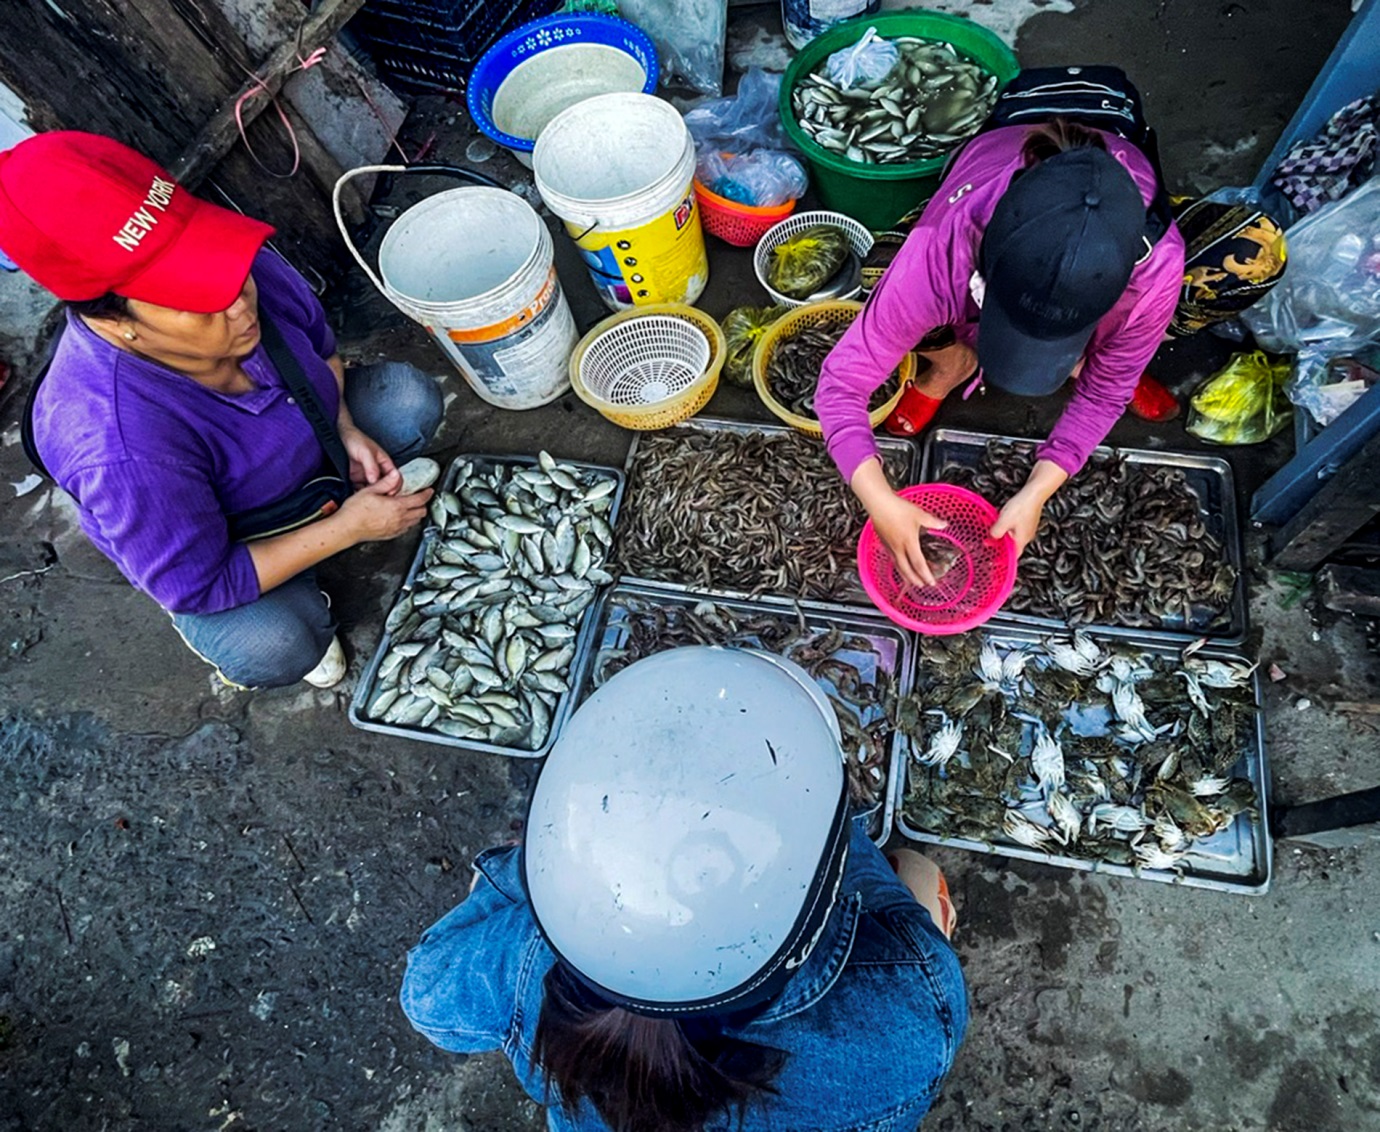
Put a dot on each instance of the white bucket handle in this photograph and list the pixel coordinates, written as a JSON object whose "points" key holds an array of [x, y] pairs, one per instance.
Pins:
{"points": [[349, 174]]}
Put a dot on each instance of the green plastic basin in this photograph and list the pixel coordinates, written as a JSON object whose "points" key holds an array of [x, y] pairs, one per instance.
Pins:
{"points": [[879, 195]]}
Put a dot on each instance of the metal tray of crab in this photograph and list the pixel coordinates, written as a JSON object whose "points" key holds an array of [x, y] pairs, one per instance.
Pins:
{"points": [[862, 663], [1098, 559], [495, 612], [726, 526], [1093, 751]]}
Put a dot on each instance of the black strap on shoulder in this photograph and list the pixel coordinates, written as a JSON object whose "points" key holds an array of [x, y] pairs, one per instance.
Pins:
{"points": [[295, 378], [26, 418], [284, 361]]}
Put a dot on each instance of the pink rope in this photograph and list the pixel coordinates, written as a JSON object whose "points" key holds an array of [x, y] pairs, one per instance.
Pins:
{"points": [[302, 64]]}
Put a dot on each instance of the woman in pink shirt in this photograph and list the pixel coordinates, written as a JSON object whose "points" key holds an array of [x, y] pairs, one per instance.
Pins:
{"points": [[1031, 263]]}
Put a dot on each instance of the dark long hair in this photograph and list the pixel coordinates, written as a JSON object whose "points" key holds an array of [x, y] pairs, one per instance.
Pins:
{"points": [[643, 1074], [109, 306], [1058, 135]]}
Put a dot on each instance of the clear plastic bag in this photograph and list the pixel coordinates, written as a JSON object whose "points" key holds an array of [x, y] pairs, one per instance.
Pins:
{"points": [[761, 178], [1326, 387], [1244, 402], [689, 38], [743, 329], [866, 64], [742, 122], [740, 145], [1329, 297]]}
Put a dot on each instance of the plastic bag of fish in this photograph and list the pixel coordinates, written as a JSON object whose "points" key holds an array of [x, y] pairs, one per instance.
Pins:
{"points": [[848, 665], [1103, 752], [481, 643], [933, 99]]}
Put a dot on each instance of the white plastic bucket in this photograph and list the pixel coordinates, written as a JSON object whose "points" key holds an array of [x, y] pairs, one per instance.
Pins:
{"points": [[619, 170], [475, 267]]}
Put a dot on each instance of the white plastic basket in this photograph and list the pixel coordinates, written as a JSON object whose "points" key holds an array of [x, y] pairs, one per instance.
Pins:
{"points": [[859, 239], [645, 361]]}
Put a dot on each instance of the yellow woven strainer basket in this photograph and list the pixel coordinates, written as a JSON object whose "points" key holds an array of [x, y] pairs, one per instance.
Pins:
{"points": [[649, 367], [831, 314]]}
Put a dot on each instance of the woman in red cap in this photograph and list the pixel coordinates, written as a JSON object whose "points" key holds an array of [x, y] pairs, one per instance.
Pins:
{"points": [[196, 408]]}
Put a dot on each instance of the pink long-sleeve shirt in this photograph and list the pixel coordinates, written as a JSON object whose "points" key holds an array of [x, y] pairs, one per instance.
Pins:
{"points": [[930, 284]]}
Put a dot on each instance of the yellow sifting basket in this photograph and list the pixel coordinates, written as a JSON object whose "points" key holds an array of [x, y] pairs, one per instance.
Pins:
{"points": [[649, 367], [831, 314]]}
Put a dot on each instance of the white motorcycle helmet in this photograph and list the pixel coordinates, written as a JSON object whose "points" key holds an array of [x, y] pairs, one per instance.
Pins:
{"points": [[687, 835]]}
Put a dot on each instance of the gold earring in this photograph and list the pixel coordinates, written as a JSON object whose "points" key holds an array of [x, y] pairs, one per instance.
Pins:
{"points": [[130, 336]]}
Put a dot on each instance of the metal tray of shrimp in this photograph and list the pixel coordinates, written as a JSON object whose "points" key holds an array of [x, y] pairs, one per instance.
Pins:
{"points": [[1211, 480], [1237, 859], [365, 691], [891, 650], [896, 452]]}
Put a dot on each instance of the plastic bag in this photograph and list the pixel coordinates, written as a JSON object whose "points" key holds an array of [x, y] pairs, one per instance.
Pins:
{"points": [[740, 145], [1329, 297], [761, 178], [689, 38], [743, 329], [1326, 387], [741, 122], [866, 64], [1243, 403], [804, 263]]}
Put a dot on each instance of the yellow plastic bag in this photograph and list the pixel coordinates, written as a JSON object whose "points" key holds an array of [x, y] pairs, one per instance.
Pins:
{"points": [[804, 263], [743, 329], [1244, 402]]}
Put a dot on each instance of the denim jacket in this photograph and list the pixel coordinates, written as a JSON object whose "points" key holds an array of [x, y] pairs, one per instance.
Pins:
{"points": [[870, 1023]]}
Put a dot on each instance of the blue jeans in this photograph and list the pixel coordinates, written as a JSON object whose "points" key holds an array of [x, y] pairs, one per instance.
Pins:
{"points": [[282, 636]]}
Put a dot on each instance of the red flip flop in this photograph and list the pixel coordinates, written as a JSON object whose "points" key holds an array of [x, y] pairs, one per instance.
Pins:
{"points": [[912, 413], [1153, 402]]}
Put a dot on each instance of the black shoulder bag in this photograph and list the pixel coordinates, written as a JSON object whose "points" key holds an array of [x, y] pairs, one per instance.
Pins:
{"points": [[318, 497], [1097, 96]]}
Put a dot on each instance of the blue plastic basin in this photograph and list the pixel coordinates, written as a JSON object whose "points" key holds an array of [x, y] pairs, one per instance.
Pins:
{"points": [[556, 78]]}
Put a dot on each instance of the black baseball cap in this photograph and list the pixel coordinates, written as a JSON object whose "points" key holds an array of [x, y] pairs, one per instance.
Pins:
{"points": [[1055, 258]]}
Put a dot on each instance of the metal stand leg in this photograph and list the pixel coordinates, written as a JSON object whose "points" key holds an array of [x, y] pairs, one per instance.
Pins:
{"points": [[1331, 823]]}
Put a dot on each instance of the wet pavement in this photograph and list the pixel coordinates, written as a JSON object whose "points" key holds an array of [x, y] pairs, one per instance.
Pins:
{"points": [[209, 895]]}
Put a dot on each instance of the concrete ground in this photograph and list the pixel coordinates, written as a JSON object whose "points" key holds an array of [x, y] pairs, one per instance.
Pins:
{"points": [[208, 896]]}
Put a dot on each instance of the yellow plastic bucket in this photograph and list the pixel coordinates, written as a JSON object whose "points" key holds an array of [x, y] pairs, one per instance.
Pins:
{"points": [[618, 169]]}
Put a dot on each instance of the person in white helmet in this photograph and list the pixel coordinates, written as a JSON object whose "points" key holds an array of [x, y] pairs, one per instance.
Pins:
{"points": [[694, 935]]}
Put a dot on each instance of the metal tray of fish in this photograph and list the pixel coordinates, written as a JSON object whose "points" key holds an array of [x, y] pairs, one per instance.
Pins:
{"points": [[365, 692], [1211, 480], [902, 458], [890, 649], [1236, 859]]}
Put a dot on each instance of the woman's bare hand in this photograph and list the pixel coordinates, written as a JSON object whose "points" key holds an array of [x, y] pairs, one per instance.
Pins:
{"points": [[374, 513], [900, 523]]}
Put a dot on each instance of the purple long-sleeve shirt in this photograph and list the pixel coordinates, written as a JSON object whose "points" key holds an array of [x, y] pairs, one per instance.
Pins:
{"points": [[157, 461], [930, 285]]}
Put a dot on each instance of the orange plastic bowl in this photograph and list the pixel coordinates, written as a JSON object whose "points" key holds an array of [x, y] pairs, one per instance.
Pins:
{"points": [[976, 586], [741, 225]]}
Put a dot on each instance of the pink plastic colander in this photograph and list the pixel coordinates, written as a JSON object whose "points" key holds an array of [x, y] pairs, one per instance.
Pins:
{"points": [[975, 587]]}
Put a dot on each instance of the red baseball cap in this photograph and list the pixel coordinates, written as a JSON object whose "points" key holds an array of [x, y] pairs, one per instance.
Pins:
{"points": [[83, 215]]}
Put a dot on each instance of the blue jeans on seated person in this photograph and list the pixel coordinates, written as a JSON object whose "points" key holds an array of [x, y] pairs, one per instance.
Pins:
{"points": [[282, 636]]}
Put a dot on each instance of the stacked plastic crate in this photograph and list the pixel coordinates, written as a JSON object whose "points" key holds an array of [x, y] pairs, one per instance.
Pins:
{"points": [[431, 45]]}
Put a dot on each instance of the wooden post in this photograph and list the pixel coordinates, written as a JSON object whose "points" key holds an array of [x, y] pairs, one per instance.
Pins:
{"points": [[222, 131], [1338, 509]]}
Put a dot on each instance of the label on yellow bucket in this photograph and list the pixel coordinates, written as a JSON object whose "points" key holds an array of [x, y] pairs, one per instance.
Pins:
{"points": [[662, 261]]}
